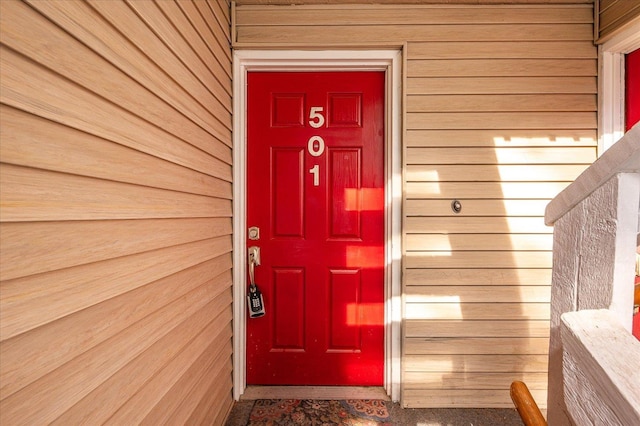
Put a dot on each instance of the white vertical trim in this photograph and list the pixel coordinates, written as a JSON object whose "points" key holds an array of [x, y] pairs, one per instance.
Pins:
{"points": [[393, 247], [611, 86], [611, 89], [628, 199], [239, 227], [389, 61]]}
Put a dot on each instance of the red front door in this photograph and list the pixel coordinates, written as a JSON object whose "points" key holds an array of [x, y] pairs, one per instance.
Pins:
{"points": [[315, 191]]}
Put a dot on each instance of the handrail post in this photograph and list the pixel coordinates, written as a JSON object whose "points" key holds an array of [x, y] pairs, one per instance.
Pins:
{"points": [[526, 405]]}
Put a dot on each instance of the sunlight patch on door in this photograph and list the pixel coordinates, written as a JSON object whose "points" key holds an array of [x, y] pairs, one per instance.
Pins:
{"points": [[363, 199], [364, 256], [359, 314]]}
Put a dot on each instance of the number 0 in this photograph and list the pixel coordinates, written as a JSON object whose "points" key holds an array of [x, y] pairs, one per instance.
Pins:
{"points": [[311, 146]]}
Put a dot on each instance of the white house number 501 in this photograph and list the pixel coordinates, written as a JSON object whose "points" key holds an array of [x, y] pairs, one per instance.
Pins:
{"points": [[315, 145]]}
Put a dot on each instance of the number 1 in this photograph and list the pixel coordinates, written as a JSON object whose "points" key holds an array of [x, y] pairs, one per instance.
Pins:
{"points": [[315, 171]]}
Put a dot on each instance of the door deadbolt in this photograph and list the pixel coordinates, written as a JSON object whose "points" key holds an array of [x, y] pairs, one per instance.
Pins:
{"points": [[254, 233]]}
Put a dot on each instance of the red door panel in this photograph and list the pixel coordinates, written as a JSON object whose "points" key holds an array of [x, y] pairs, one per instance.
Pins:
{"points": [[632, 85], [315, 188]]}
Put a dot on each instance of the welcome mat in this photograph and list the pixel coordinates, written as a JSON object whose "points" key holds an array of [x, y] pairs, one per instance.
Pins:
{"points": [[361, 412]]}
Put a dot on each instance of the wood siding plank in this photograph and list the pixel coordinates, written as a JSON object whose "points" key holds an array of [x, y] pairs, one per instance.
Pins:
{"points": [[48, 43], [494, 173], [91, 156], [497, 190], [525, 155], [36, 300], [189, 340], [174, 406], [476, 329], [468, 380], [334, 3], [124, 19], [479, 276], [53, 394], [480, 363], [460, 398], [214, 36], [488, 259], [195, 42], [548, 138], [616, 14], [34, 195], [471, 346], [474, 207], [466, 225], [503, 50], [143, 402], [162, 27], [490, 120], [481, 242], [478, 294], [60, 245], [56, 343], [408, 15], [115, 231], [500, 85], [504, 67], [410, 33], [85, 24], [28, 87], [476, 311], [501, 103]]}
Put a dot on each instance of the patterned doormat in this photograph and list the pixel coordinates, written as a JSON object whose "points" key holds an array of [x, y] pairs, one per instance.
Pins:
{"points": [[361, 412]]}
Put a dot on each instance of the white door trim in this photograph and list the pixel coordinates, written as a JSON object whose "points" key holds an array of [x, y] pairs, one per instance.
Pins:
{"points": [[389, 61], [611, 86]]}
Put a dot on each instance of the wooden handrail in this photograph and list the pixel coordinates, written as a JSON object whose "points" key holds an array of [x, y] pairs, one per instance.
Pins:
{"points": [[526, 405]]}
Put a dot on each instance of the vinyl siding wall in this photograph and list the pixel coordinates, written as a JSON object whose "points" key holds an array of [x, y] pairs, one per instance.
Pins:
{"points": [[115, 233], [615, 14], [500, 113]]}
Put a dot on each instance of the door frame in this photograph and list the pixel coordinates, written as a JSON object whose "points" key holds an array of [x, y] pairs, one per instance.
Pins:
{"points": [[389, 61], [611, 83]]}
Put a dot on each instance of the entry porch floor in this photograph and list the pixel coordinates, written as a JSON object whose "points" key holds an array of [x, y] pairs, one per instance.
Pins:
{"points": [[361, 413]]}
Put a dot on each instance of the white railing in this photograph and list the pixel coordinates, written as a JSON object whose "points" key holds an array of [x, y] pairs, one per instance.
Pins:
{"points": [[594, 361]]}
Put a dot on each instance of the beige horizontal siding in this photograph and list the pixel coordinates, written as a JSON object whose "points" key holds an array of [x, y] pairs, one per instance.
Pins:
{"points": [[248, 16], [115, 229], [488, 172], [412, 32], [460, 398], [501, 103], [497, 381], [478, 329], [500, 138], [410, 2], [500, 85], [498, 242], [501, 115], [502, 50], [613, 15], [477, 276], [476, 311]]}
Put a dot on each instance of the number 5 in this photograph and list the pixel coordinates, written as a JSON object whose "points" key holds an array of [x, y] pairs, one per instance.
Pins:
{"points": [[316, 119]]}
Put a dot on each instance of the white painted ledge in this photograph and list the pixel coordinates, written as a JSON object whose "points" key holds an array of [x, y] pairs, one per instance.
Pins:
{"points": [[623, 156], [601, 367]]}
